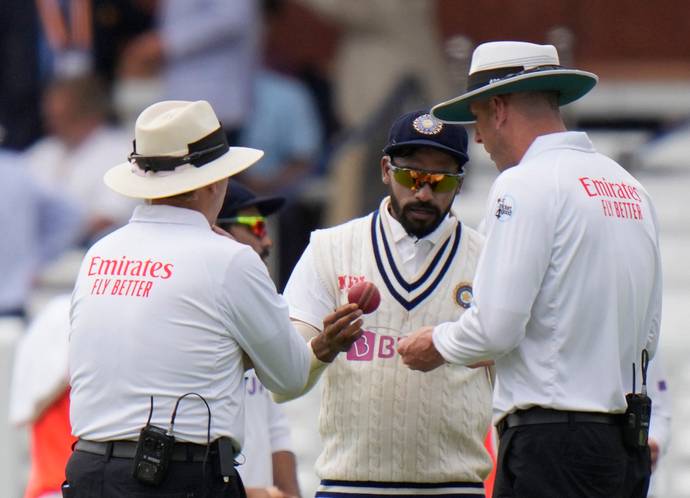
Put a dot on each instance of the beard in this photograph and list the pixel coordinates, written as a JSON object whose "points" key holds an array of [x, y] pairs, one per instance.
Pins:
{"points": [[417, 228]]}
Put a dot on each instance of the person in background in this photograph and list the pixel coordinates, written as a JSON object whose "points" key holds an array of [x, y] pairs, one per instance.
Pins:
{"points": [[80, 145], [270, 468], [39, 397], [374, 39], [568, 288], [37, 225], [204, 49], [285, 124]]}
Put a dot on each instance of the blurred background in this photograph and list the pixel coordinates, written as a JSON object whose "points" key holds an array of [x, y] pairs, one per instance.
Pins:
{"points": [[316, 84]]}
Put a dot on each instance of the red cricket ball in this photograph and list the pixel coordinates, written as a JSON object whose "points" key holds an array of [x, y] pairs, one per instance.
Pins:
{"points": [[366, 295]]}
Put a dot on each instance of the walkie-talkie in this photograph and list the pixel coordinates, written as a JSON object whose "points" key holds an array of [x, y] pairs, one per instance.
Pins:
{"points": [[639, 411]]}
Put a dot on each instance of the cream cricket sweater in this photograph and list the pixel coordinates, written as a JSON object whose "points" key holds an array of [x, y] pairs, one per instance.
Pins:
{"points": [[379, 420]]}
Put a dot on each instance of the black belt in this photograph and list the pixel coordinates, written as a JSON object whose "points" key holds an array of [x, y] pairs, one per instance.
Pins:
{"points": [[182, 452], [538, 415]]}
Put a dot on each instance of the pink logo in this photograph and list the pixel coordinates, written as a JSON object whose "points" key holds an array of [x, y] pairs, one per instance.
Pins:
{"points": [[370, 345], [363, 348]]}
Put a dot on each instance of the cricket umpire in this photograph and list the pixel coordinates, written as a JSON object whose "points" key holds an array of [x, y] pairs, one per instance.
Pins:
{"points": [[568, 287], [162, 312]]}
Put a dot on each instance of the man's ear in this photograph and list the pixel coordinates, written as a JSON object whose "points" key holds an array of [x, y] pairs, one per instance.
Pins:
{"points": [[498, 106], [385, 170]]}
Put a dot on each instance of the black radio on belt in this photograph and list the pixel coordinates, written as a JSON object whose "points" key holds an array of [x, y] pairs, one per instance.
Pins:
{"points": [[154, 449], [639, 411]]}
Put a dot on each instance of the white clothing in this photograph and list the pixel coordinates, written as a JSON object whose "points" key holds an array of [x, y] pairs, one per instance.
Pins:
{"points": [[162, 307], [39, 372], [78, 173], [379, 420], [411, 250], [657, 389], [568, 288], [266, 431]]}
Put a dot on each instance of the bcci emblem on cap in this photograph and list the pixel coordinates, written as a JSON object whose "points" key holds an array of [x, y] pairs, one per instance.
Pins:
{"points": [[463, 294], [426, 124]]}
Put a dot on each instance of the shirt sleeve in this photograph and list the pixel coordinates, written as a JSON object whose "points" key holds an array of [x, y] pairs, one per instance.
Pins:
{"points": [[279, 429], [308, 297], [509, 274], [260, 323], [655, 301]]}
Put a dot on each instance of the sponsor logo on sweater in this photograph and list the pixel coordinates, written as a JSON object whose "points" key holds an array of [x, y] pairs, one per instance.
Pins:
{"points": [[347, 281], [371, 345]]}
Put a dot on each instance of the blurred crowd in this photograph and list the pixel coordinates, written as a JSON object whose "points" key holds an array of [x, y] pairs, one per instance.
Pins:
{"points": [[82, 70]]}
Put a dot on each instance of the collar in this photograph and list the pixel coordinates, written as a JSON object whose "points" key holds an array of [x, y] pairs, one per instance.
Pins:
{"points": [[398, 232], [577, 140], [161, 213]]}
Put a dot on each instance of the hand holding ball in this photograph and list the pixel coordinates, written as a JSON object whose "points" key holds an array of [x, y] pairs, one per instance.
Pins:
{"points": [[365, 295]]}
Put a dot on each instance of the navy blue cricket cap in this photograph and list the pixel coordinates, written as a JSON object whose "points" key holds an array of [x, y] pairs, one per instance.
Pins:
{"points": [[421, 129], [239, 197]]}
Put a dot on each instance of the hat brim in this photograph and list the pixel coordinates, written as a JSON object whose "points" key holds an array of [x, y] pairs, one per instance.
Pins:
{"points": [[571, 84], [124, 181], [390, 149]]}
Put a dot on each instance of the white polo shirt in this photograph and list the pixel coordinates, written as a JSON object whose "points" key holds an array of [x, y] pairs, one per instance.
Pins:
{"points": [[163, 307], [568, 287]]}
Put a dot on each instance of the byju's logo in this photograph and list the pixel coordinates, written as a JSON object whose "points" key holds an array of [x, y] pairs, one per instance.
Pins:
{"points": [[371, 345], [504, 208]]}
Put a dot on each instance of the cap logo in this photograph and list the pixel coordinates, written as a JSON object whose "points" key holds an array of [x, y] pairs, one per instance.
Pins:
{"points": [[426, 124]]}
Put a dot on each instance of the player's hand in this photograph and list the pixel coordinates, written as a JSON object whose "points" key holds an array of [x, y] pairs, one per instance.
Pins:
{"points": [[340, 330], [418, 351]]}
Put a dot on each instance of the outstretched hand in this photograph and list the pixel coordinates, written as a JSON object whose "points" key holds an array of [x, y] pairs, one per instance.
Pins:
{"points": [[340, 330], [418, 351]]}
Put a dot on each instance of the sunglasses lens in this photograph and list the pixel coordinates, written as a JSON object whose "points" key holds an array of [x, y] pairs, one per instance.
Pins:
{"points": [[446, 184], [415, 180], [404, 177], [259, 228]]}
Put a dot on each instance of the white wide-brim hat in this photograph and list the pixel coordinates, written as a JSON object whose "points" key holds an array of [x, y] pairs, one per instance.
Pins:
{"points": [[498, 68], [179, 146]]}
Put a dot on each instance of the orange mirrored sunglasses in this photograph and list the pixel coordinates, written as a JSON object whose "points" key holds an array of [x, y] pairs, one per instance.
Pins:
{"points": [[414, 179]]}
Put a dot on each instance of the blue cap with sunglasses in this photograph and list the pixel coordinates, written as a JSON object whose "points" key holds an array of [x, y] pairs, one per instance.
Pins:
{"points": [[421, 129]]}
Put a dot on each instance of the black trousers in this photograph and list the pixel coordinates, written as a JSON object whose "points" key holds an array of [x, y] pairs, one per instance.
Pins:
{"points": [[97, 476], [578, 460]]}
